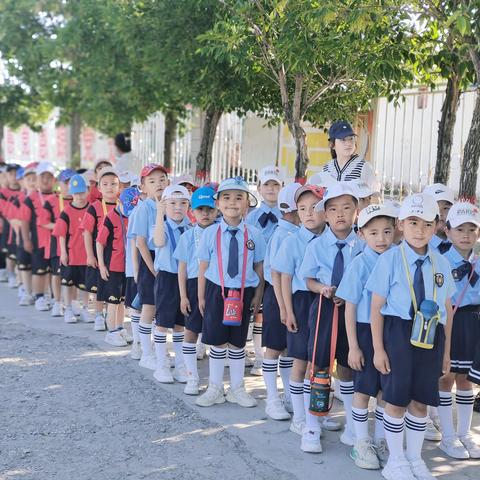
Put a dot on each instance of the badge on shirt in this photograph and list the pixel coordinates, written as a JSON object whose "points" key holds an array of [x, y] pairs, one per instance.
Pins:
{"points": [[455, 274], [250, 244], [439, 279]]}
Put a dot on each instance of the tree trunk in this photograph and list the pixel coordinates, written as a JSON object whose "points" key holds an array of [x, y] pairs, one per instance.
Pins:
{"points": [[301, 151], [75, 132], [471, 156], [446, 128], [169, 138], [2, 146], [204, 157]]}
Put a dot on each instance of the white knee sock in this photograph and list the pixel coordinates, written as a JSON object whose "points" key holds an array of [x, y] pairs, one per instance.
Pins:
{"points": [[445, 412], [346, 390], [394, 436], [134, 320], [189, 351], [269, 369], [257, 341], [464, 400], [415, 434], [216, 363], [296, 394], [236, 360], [177, 348], [145, 334], [161, 348], [379, 429], [285, 365], [311, 421], [360, 423]]}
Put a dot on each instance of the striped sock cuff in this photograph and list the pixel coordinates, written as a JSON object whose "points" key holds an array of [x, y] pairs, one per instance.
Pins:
{"points": [[379, 411], [257, 328], [418, 424], [307, 387], [160, 337], [446, 399], [346, 388], [144, 328], [189, 348], [464, 397], [236, 354], [135, 318], [392, 424], [296, 388], [360, 414], [285, 362], [218, 353], [178, 337], [269, 365]]}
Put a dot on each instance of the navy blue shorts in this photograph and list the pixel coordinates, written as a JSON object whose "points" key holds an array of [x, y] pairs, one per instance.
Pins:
{"points": [[145, 282], [414, 371], [465, 337], [474, 373], [102, 291], [24, 259], [274, 332], [297, 343], [167, 300], [91, 279], [322, 353], [12, 247], [113, 290], [214, 331], [194, 321], [54, 264], [2, 260], [130, 291], [73, 276], [39, 262], [368, 380]]}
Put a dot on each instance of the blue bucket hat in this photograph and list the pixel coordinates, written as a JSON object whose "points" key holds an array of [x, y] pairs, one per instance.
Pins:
{"points": [[66, 174], [129, 199], [77, 185], [236, 183], [203, 197], [340, 129]]}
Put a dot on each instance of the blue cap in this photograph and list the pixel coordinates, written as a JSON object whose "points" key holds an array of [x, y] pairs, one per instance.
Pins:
{"points": [[77, 185], [203, 197], [236, 183], [129, 199], [20, 173], [66, 175], [340, 129]]}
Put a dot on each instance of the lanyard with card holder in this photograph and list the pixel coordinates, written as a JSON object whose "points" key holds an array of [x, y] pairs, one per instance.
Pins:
{"points": [[233, 303], [464, 289]]}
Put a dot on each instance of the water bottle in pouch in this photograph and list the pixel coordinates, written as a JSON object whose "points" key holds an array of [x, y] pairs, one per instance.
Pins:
{"points": [[320, 389], [232, 309], [425, 324]]}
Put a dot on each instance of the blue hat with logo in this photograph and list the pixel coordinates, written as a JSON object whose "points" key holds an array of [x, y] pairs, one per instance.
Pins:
{"points": [[66, 174], [77, 185], [203, 197], [129, 199], [236, 183], [340, 129]]}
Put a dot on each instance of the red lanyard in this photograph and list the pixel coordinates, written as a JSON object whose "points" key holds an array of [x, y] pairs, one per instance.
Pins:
{"points": [[220, 260]]}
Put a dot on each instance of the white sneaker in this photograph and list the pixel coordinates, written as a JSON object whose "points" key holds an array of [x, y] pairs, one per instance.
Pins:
{"points": [[311, 442], [85, 315], [3, 275], [201, 351], [256, 370], [26, 300], [136, 353], [249, 362], [420, 470], [212, 396], [275, 409], [191, 388], [347, 437], [76, 307], [148, 361], [287, 403], [398, 470], [297, 427], [125, 335], [381, 449], [12, 282], [471, 445], [68, 316], [21, 291], [115, 339], [328, 423], [99, 324], [364, 455], [454, 448], [57, 310], [240, 396], [180, 374], [41, 304], [163, 374], [431, 433]]}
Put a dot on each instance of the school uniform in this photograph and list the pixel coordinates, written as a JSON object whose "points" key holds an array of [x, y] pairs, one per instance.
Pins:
{"points": [[326, 259], [143, 225], [68, 225], [23, 258], [414, 371], [44, 234], [214, 331], [440, 244], [265, 219], [352, 290], [187, 252], [166, 290], [288, 261], [130, 284], [112, 235], [9, 241], [274, 332], [465, 345]]}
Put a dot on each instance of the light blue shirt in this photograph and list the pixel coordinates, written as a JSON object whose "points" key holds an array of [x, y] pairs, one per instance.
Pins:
{"points": [[130, 235], [389, 280], [144, 220], [472, 294], [290, 256], [352, 287], [254, 215], [164, 258], [280, 234], [187, 250], [207, 252], [321, 253]]}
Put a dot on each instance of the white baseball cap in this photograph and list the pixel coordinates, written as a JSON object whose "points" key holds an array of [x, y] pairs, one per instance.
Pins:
{"points": [[236, 183], [323, 179], [463, 212], [128, 177], [376, 210], [184, 179], [440, 192], [337, 190], [364, 190], [175, 192], [421, 205], [286, 198], [107, 171], [45, 167], [270, 173]]}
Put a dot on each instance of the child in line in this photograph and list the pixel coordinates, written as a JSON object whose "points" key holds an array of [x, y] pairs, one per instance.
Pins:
{"points": [[376, 225], [186, 253], [231, 256], [171, 222], [407, 283]]}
